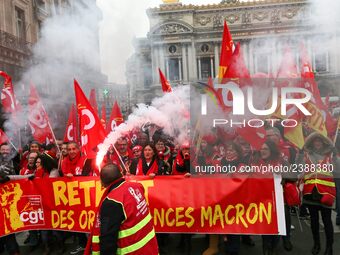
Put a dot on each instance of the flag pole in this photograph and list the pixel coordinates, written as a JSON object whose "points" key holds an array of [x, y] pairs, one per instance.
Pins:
{"points": [[15, 148], [120, 159], [337, 130], [49, 124]]}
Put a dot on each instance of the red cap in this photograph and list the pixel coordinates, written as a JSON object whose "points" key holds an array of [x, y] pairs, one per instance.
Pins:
{"points": [[185, 145], [137, 148]]}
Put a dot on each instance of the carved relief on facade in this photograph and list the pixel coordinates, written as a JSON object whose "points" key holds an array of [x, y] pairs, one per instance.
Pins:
{"points": [[290, 13], [172, 28], [204, 49], [173, 50], [275, 17], [217, 20], [260, 16], [246, 18], [232, 18], [203, 20]]}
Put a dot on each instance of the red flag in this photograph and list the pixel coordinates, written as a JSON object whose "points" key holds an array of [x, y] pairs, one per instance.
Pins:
{"points": [[8, 100], [93, 100], [237, 67], [166, 87], [308, 79], [254, 136], [116, 118], [227, 49], [38, 119], [91, 131], [236, 73], [3, 137], [287, 77], [71, 134], [308, 82], [103, 116]]}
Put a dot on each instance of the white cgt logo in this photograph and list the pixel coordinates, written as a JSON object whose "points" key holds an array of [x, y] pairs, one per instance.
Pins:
{"points": [[88, 126], [69, 130], [113, 124]]}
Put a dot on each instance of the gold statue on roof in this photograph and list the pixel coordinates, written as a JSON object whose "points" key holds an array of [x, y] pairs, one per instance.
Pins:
{"points": [[170, 1]]}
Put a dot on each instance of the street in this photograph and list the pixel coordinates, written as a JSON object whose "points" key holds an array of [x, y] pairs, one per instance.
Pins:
{"points": [[301, 239]]}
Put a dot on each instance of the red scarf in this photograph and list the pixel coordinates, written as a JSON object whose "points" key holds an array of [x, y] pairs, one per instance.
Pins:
{"points": [[69, 166], [41, 173], [142, 167]]}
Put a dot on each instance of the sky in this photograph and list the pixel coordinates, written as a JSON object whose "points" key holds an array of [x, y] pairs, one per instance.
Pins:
{"points": [[122, 22]]}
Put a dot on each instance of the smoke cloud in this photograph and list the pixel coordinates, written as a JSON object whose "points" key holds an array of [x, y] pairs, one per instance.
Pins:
{"points": [[170, 112]]}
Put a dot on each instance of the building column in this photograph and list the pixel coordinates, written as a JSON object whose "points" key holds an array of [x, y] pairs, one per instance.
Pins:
{"points": [[157, 64], [251, 58], [167, 68], [245, 52], [153, 65], [185, 67], [199, 69], [161, 58], [180, 69], [194, 61], [217, 59], [212, 67]]}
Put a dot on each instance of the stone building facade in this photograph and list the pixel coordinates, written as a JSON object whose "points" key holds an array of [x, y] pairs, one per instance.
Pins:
{"points": [[20, 24], [184, 41]]}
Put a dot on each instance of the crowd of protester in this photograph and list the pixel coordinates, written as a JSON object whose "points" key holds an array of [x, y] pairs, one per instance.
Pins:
{"points": [[159, 155]]}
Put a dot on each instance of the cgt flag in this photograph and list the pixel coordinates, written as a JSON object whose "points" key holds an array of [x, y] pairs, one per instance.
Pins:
{"points": [[93, 100], [71, 133], [3, 137], [38, 119], [287, 76], [166, 87], [91, 130], [116, 118], [8, 101], [103, 115], [227, 50]]}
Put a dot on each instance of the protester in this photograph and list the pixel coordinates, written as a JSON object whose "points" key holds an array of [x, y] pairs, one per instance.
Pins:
{"points": [[137, 154], [6, 170], [123, 205], [150, 164], [124, 156], [76, 164], [46, 167], [164, 152], [288, 154], [319, 186], [30, 167], [269, 156], [34, 146], [181, 165]]}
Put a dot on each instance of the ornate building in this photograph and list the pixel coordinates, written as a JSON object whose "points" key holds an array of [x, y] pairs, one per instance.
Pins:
{"points": [[20, 24], [184, 41], [21, 27]]}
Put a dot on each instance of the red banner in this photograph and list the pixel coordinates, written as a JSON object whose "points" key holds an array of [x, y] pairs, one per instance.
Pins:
{"points": [[178, 204]]}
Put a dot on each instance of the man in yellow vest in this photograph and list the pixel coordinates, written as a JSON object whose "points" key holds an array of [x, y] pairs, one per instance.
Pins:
{"points": [[124, 224]]}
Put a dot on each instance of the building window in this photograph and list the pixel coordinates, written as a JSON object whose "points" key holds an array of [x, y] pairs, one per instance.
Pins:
{"points": [[262, 63], [147, 75], [20, 23], [206, 68], [321, 62], [56, 6], [174, 72], [205, 47], [172, 49]]}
